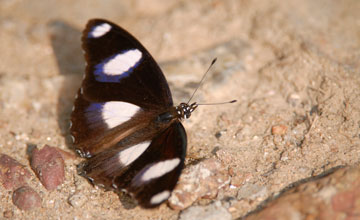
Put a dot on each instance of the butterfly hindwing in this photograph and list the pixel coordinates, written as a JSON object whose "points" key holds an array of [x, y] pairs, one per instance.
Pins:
{"points": [[153, 176], [148, 170]]}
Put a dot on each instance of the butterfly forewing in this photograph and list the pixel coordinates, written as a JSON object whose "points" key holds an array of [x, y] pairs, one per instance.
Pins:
{"points": [[119, 68], [121, 80], [118, 120]]}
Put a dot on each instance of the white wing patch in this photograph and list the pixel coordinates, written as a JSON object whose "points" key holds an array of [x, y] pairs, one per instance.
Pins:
{"points": [[122, 62], [130, 154], [159, 169], [117, 66], [99, 30], [160, 197], [115, 113]]}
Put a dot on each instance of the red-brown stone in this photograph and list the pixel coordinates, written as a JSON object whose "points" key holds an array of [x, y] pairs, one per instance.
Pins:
{"points": [[25, 198], [48, 164], [12, 173]]}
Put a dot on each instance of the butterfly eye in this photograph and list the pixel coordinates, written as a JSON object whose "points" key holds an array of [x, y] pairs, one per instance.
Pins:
{"points": [[193, 106]]}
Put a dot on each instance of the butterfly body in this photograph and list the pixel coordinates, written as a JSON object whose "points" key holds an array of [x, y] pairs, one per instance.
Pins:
{"points": [[124, 122]]}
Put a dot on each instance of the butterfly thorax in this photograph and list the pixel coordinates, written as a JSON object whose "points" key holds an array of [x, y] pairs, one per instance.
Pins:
{"points": [[184, 110]]}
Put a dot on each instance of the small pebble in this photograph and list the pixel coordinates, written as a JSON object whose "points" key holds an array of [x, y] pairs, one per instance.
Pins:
{"points": [[8, 214], [220, 133], [294, 99], [213, 211], [279, 129], [25, 198], [48, 164], [202, 180], [252, 191], [12, 173], [77, 200]]}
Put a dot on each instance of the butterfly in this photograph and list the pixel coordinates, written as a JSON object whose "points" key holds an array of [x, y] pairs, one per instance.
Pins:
{"points": [[124, 121]]}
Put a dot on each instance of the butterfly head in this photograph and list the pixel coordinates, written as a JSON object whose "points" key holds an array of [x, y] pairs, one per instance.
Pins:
{"points": [[184, 110]]}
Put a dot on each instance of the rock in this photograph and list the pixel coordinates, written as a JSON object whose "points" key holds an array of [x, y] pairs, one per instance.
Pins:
{"points": [[220, 133], [202, 180], [210, 212], [8, 214], [66, 155], [77, 200], [48, 164], [12, 173], [279, 129], [293, 99], [336, 196], [25, 198], [252, 191]]}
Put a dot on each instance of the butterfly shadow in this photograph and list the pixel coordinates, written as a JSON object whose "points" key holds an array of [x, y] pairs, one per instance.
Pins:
{"points": [[66, 44]]}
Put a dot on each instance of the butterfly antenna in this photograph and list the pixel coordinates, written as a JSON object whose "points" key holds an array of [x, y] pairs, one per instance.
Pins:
{"points": [[217, 103], [202, 79]]}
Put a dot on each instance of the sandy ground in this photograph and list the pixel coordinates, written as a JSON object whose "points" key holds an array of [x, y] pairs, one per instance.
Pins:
{"points": [[292, 65]]}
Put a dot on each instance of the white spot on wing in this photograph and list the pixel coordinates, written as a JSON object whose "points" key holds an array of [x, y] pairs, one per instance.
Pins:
{"points": [[160, 197], [116, 113], [122, 62], [130, 154], [100, 30], [159, 169], [72, 138]]}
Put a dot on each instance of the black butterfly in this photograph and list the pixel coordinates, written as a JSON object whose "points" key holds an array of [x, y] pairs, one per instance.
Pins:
{"points": [[124, 121]]}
